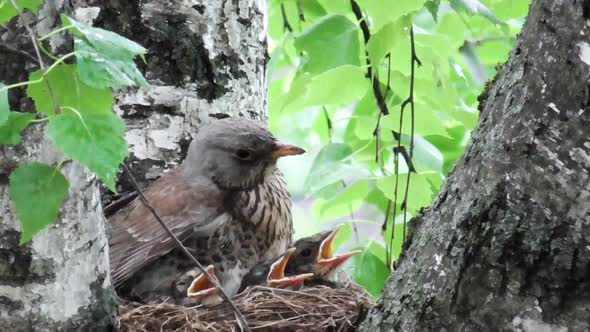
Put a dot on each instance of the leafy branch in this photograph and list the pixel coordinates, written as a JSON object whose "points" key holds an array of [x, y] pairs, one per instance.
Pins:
{"points": [[382, 105], [409, 101], [326, 66], [39, 58]]}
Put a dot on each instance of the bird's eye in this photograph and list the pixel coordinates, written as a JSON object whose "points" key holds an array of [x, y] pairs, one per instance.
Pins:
{"points": [[306, 252], [243, 154]]}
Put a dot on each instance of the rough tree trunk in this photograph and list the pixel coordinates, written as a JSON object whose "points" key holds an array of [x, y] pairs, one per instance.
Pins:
{"points": [[505, 246], [205, 58]]}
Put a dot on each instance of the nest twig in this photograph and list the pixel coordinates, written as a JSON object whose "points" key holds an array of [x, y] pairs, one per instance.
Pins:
{"points": [[318, 308]]}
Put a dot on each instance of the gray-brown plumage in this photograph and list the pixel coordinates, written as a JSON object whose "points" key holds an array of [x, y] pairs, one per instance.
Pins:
{"points": [[227, 202]]}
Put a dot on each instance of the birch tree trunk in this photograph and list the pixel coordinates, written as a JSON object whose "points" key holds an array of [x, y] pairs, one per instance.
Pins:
{"points": [[205, 59], [506, 245]]}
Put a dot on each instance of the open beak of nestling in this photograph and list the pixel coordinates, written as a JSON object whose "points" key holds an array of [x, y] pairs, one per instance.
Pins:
{"points": [[283, 150], [327, 261], [276, 276], [202, 290]]}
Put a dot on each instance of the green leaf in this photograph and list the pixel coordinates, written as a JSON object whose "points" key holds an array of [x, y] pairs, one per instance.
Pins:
{"points": [[425, 154], [330, 153], [94, 139], [328, 88], [475, 7], [432, 6], [370, 269], [105, 41], [383, 41], [10, 130], [105, 59], [4, 107], [69, 92], [343, 236], [426, 122], [336, 6], [331, 42], [510, 9], [398, 241], [295, 97], [345, 202], [384, 12], [329, 167], [38, 191], [419, 194], [7, 12], [99, 71]]}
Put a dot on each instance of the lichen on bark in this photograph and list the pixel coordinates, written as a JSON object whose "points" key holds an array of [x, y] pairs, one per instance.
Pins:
{"points": [[205, 60]]}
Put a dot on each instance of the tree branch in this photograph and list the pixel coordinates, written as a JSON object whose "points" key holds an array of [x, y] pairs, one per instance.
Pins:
{"points": [[374, 79]]}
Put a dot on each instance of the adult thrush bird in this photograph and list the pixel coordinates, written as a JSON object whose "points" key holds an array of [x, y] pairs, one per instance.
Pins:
{"points": [[271, 274], [315, 254], [227, 202]]}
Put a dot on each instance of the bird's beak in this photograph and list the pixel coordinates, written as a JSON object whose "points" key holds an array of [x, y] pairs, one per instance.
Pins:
{"points": [[282, 150], [328, 262], [276, 276], [202, 290]]}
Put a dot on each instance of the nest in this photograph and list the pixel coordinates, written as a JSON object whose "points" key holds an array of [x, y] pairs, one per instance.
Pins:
{"points": [[318, 308]]}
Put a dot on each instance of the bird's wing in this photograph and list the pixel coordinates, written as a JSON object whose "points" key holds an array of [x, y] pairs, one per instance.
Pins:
{"points": [[136, 236]]}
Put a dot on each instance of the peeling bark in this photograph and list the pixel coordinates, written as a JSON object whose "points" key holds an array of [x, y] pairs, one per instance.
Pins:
{"points": [[505, 246], [205, 59]]}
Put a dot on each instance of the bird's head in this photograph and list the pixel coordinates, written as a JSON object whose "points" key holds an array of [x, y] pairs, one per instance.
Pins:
{"points": [[183, 281], [235, 153], [316, 254], [272, 274], [276, 276], [202, 291]]}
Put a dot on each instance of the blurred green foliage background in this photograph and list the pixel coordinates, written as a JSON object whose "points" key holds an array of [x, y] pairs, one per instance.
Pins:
{"points": [[321, 98]]}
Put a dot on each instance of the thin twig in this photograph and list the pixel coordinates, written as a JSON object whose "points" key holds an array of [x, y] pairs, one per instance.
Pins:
{"points": [[410, 101], [38, 53], [379, 97], [377, 125], [300, 10], [367, 36], [407, 158], [179, 244], [383, 229], [328, 123], [286, 25]]}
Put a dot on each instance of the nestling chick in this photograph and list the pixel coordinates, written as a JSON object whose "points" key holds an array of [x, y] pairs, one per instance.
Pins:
{"points": [[315, 254], [271, 274]]}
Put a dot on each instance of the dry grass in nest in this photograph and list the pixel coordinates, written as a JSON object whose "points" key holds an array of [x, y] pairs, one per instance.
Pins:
{"points": [[318, 308]]}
